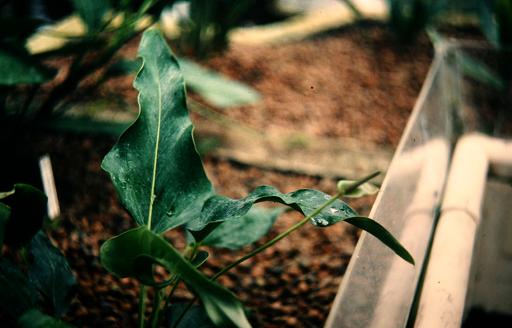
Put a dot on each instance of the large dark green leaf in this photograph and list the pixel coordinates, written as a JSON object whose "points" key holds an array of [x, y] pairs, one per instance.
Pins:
{"points": [[36, 319], [381, 234], [195, 317], [28, 209], [92, 12], [154, 166], [5, 212], [119, 255], [237, 233], [219, 208], [17, 67], [49, 272], [16, 297]]}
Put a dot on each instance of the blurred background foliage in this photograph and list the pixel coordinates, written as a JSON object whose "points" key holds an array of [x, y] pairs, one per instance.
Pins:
{"points": [[204, 28]]}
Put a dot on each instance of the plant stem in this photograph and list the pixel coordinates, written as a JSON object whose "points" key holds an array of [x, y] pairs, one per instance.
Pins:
{"points": [[262, 248], [189, 253], [360, 182], [142, 305], [155, 315], [278, 237], [296, 226], [273, 241]]}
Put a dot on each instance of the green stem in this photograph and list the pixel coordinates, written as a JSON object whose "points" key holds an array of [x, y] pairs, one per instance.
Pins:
{"points": [[142, 305], [356, 184], [278, 237], [296, 226], [273, 241], [190, 253], [155, 315], [262, 248]]}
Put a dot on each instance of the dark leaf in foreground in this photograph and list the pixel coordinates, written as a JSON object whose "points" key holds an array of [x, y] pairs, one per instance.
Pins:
{"points": [[119, 255], [49, 272], [28, 209]]}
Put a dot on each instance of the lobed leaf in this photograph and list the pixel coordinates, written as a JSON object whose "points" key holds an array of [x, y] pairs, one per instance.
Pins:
{"points": [[219, 208], [50, 273], [120, 256], [154, 165]]}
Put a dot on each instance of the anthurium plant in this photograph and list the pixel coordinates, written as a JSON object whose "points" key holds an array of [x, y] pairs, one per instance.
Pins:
{"points": [[161, 181]]}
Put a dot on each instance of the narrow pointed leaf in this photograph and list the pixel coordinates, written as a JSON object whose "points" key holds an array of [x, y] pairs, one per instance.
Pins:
{"points": [[119, 256], [50, 273], [219, 208], [154, 166], [374, 228], [237, 233]]}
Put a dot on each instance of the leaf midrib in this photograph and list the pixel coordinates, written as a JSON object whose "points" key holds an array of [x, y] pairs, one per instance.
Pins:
{"points": [[157, 145]]}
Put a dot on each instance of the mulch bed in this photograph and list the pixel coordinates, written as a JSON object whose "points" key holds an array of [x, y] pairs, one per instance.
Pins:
{"points": [[355, 82]]}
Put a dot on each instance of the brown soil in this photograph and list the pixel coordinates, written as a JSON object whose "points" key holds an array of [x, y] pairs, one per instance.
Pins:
{"points": [[350, 83]]}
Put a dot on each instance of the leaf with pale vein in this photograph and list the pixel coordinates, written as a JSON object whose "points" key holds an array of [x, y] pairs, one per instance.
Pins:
{"points": [[154, 165]]}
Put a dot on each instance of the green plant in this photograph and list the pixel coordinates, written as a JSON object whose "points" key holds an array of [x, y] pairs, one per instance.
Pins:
{"points": [[33, 272], [206, 29], [22, 93], [31, 91], [161, 182], [409, 17]]}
